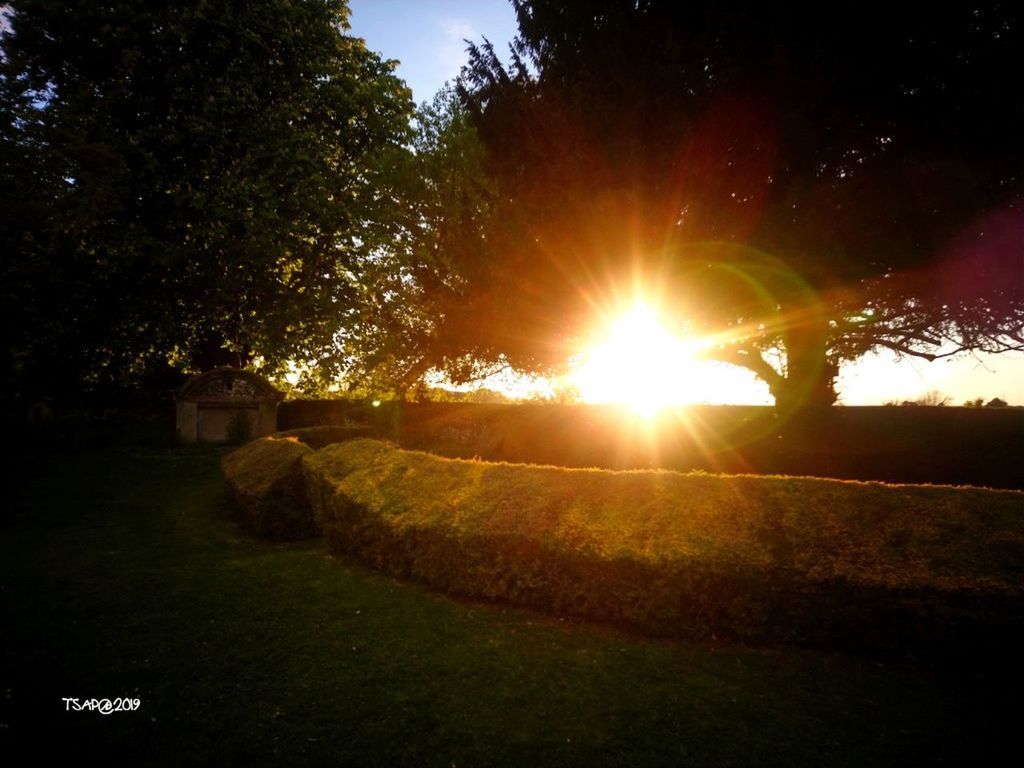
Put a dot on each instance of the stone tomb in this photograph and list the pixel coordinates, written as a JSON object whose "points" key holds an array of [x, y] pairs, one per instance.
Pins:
{"points": [[225, 405]]}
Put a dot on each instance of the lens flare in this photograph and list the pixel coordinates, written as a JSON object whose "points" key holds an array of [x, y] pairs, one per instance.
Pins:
{"points": [[638, 362]]}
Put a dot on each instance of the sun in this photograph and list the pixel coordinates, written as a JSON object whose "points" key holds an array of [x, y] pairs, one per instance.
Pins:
{"points": [[638, 362]]}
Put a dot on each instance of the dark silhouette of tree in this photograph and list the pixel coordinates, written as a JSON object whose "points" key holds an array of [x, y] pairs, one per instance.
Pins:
{"points": [[430, 272], [187, 183], [810, 184], [933, 398]]}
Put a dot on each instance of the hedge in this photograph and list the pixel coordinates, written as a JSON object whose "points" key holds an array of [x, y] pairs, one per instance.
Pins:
{"points": [[804, 560], [949, 445], [319, 437], [266, 479]]}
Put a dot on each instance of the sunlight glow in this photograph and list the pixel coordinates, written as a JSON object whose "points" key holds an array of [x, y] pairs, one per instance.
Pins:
{"points": [[640, 364]]}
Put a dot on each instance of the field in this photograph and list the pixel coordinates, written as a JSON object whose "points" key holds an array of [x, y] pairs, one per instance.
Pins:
{"points": [[125, 572]]}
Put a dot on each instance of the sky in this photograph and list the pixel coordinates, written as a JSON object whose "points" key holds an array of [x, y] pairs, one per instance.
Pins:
{"points": [[426, 37]]}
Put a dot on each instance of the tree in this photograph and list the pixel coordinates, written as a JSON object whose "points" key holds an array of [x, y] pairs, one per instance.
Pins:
{"points": [[188, 183], [429, 272], [808, 189], [933, 398]]}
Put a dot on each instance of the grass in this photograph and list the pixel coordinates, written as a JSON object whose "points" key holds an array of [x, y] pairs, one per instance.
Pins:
{"points": [[125, 572]]}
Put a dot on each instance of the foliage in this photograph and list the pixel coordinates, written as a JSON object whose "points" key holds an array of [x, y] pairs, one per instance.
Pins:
{"points": [[476, 395], [795, 559], [933, 398], [320, 437], [418, 279], [187, 181], [266, 481], [947, 446], [265, 478], [804, 190]]}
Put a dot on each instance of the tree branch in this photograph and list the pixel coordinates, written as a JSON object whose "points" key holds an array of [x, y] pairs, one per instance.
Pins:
{"points": [[744, 357]]}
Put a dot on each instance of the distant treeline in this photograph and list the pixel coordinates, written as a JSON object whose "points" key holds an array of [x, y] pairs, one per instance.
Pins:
{"points": [[949, 445]]}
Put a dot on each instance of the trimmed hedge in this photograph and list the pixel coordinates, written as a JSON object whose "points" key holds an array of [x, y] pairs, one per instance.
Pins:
{"points": [[949, 445], [319, 437], [847, 564], [265, 477]]}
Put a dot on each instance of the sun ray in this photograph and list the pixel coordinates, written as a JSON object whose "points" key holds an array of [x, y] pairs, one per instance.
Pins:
{"points": [[637, 361]]}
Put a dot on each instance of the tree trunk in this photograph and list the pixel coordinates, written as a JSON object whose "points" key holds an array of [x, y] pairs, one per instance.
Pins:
{"points": [[809, 383]]}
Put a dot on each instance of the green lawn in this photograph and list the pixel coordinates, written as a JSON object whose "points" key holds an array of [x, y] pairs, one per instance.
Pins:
{"points": [[124, 573]]}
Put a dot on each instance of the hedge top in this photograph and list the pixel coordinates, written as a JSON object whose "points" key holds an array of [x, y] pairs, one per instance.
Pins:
{"points": [[257, 467], [898, 536]]}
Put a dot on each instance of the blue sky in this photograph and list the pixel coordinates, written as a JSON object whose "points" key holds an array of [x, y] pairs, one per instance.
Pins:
{"points": [[427, 36]]}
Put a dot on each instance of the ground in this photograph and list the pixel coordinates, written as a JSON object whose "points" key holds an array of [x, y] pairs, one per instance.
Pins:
{"points": [[125, 572]]}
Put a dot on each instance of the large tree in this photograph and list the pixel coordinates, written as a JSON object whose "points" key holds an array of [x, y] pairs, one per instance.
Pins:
{"points": [[431, 270], [187, 183], [809, 185]]}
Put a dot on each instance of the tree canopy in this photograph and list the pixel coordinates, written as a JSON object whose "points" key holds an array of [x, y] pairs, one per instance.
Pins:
{"points": [[431, 271], [806, 185], [184, 181]]}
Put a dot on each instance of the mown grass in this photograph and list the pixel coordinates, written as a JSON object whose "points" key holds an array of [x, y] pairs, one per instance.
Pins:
{"points": [[124, 572]]}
